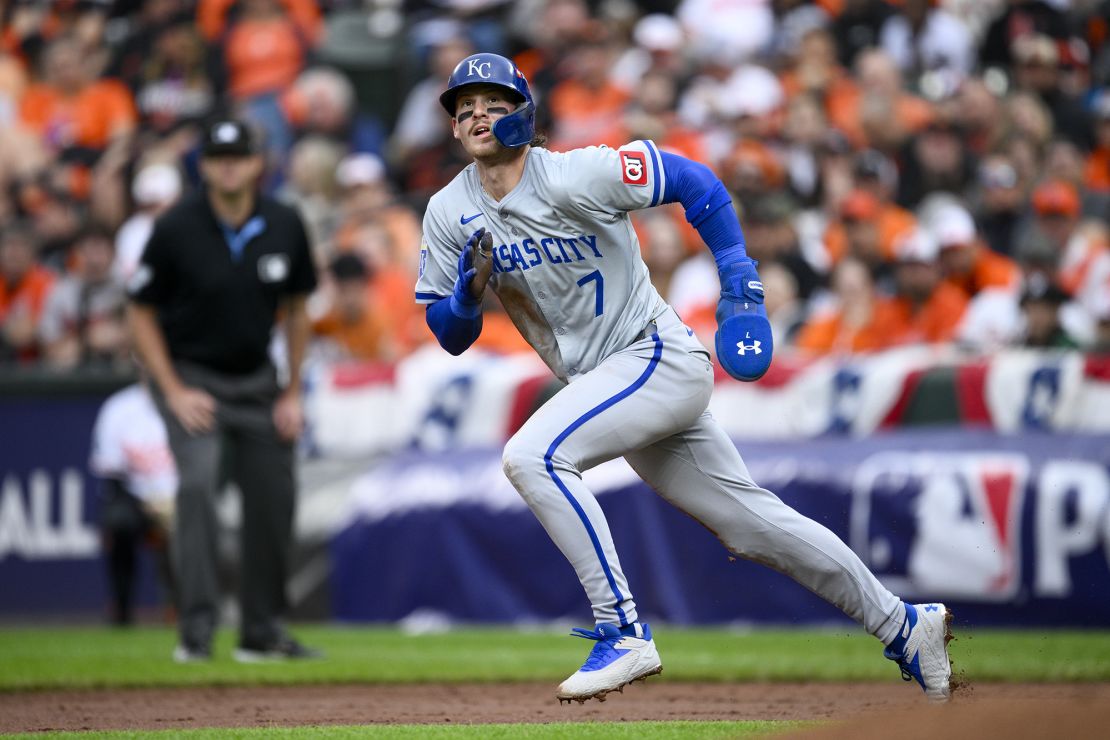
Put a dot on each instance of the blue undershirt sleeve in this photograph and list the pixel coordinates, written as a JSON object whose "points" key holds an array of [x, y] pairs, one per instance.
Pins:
{"points": [[456, 325], [704, 197]]}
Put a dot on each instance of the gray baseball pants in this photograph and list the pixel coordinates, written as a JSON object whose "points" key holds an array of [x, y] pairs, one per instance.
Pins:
{"points": [[648, 403], [246, 444]]}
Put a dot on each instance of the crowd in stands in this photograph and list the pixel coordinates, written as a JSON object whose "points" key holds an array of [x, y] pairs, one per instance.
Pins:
{"points": [[905, 171]]}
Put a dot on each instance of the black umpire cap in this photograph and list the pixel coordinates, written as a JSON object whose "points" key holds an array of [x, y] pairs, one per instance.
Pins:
{"points": [[228, 137]]}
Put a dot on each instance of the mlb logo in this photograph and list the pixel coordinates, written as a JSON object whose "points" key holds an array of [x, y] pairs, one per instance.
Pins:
{"points": [[942, 525]]}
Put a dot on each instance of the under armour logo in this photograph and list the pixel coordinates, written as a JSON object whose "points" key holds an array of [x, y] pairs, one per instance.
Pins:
{"points": [[474, 67], [753, 347], [931, 608]]}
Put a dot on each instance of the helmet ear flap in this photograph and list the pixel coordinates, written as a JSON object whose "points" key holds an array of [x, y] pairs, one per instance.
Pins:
{"points": [[517, 128]]}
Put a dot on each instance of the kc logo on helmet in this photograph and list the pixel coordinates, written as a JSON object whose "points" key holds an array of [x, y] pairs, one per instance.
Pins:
{"points": [[943, 524], [475, 67]]}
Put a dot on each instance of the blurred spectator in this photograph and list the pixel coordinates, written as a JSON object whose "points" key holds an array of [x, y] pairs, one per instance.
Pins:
{"points": [[1057, 208], [1097, 170], [420, 123], [966, 263], [322, 102], [353, 325], [804, 132], [657, 47], [1037, 70], [979, 113], [868, 229], [586, 103], [82, 323], [312, 189], [877, 111], [1002, 202], [171, 82], [143, 28], [772, 237], [785, 309], [1021, 18], [155, 188], [728, 33], [386, 235], [1040, 306], [264, 43], [138, 479], [849, 324], [923, 308], [651, 114], [24, 286], [922, 37], [935, 161], [858, 26], [76, 114]]}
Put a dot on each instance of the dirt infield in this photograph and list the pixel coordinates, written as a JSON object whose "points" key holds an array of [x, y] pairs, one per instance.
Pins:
{"points": [[992, 710]]}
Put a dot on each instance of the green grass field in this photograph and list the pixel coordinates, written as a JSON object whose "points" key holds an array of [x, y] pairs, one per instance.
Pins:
{"points": [[40, 658], [34, 658]]}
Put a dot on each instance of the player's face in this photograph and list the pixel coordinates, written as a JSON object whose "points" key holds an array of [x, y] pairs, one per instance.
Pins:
{"points": [[476, 110]]}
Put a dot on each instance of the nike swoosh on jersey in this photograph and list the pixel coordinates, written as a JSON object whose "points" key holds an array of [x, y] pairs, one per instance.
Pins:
{"points": [[464, 220]]}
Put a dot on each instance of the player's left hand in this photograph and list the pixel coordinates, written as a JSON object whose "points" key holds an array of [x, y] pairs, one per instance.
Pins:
{"points": [[743, 340], [289, 415], [475, 267]]}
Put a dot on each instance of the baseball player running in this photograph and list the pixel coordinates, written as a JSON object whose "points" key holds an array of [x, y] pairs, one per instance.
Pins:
{"points": [[550, 234]]}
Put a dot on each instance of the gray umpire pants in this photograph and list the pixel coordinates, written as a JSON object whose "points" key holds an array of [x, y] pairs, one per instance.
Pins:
{"points": [[261, 464]]}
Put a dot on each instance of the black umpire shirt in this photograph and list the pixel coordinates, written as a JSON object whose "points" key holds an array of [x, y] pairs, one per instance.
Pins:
{"points": [[217, 290]]}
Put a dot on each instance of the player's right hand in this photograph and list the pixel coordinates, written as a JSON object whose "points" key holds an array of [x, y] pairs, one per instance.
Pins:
{"points": [[743, 341], [475, 267], [194, 409]]}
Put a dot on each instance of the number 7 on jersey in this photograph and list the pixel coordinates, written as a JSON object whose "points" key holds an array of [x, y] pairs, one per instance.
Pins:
{"points": [[599, 302]]}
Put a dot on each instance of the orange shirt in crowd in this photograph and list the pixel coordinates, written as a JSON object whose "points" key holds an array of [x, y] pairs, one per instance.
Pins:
{"points": [[366, 339], [936, 321], [403, 316], [893, 221], [90, 118], [262, 54], [991, 270], [30, 291], [500, 335], [829, 333], [1097, 175], [212, 17], [584, 115]]}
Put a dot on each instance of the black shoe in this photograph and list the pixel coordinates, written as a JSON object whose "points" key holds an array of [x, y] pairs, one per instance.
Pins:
{"points": [[285, 648]]}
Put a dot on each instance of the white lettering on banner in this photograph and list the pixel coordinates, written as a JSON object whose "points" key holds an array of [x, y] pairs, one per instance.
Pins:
{"points": [[1083, 488], [31, 531]]}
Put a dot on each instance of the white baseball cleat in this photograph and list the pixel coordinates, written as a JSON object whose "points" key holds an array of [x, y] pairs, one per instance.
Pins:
{"points": [[927, 630], [616, 661]]}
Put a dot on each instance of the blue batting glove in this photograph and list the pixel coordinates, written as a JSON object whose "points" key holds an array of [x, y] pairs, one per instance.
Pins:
{"points": [[467, 270], [743, 340]]}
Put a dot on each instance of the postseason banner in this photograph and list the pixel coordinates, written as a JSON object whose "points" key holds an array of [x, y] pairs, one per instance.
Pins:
{"points": [[1009, 530]]}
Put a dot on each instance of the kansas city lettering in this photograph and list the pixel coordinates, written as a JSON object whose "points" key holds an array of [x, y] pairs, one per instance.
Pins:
{"points": [[556, 250]]}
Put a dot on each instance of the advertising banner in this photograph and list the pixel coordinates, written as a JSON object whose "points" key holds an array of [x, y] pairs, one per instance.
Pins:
{"points": [[1009, 530]]}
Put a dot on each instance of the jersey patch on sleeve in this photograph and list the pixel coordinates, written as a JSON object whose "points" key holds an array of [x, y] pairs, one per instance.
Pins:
{"points": [[633, 167]]}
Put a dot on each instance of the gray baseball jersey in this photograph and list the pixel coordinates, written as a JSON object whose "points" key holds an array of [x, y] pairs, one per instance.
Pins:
{"points": [[566, 261], [569, 272]]}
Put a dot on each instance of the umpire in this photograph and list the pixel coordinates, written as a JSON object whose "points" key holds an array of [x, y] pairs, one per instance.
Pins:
{"points": [[217, 271]]}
